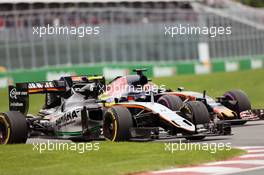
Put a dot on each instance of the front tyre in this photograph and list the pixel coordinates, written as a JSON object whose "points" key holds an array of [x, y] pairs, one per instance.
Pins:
{"points": [[13, 128], [242, 101], [117, 123], [197, 113], [171, 101]]}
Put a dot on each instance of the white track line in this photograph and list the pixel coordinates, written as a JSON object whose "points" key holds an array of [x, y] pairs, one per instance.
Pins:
{"points": [[249, 147], [256, 162], [220, 167], [255, 151], [201, 170], [251, 155]]}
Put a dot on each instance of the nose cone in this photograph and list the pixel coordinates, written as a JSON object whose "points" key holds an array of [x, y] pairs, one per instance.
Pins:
{"points": [[183, 123], [168, 115], [174, 118]]}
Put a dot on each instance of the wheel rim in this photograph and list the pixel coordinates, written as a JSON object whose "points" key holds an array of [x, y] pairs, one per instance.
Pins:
{"points": [[109, 126], [189, 116], [188, 113], [3, 133]]}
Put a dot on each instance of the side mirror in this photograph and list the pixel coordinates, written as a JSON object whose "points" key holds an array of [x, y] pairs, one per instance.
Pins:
{"points": [[180, 89]]}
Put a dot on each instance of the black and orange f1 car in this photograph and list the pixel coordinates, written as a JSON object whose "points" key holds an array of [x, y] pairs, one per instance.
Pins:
{"points": [[234, 106]]}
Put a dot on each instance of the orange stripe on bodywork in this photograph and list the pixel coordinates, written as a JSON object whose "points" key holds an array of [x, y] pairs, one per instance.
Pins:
{"points": [[132, 106], [192, 98], [44, 89]]}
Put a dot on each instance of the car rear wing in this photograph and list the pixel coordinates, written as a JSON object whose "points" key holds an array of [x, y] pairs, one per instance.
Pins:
{"points": [[19, 94]]}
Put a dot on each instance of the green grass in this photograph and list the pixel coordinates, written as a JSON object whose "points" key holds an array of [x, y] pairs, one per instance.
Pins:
{"points": [[110, 159]]}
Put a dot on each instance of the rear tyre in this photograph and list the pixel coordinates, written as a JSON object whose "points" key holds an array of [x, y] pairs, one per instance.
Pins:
{"points": [[243, 103], [171, 101], [117, 123], [197, 113], [13, 128]]}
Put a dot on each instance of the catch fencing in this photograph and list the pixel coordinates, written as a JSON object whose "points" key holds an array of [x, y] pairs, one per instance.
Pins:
{"points": [[127, 35]]}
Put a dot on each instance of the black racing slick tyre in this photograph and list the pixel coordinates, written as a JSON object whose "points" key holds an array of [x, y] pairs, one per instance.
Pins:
{"points": [[13, 128], [197, 113], [243, 103], [171, 101], [117, 123]]}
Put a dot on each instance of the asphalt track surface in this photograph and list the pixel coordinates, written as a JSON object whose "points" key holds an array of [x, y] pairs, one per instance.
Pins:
{"points": [[254, 172], [250, 134]]}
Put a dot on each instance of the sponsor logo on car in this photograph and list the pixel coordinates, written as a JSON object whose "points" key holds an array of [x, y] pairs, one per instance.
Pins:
{"points": [[17, 104], [40, 85], [67, 117], [14, 93]]}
